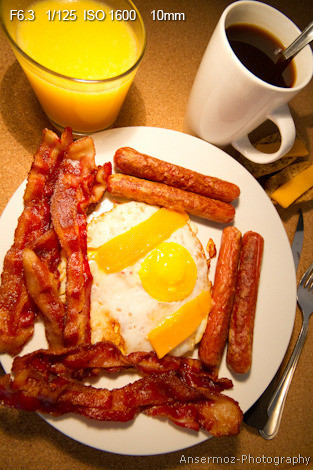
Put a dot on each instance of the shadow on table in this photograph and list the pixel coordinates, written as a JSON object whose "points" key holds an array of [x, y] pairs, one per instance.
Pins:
{"points": [[20, 109], [25, 119]]}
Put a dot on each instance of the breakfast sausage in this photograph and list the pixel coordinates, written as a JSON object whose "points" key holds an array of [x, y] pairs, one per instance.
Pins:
{"points": [[215, 336], [172, 198], [240, 338], [131, 162]]}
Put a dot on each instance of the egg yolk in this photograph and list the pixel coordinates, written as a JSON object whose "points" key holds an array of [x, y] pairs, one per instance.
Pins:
{"points": [[168, 273], [126, 249], [181, 324]]}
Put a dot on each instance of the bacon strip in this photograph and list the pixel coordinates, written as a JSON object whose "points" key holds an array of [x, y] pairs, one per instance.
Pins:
{"points": [[41, 259], [43, 288], [86, 360], [100, 182], [47, 248], [220, 415], [59, 395], [17, 312], [37, 389], [69, 202]]}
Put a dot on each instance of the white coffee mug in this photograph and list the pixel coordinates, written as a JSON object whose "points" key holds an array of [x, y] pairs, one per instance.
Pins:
{"points": [[227, 101]]}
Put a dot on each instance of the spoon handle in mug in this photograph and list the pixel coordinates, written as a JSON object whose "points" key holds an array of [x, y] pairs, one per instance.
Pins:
{"points": [[301, 41]]}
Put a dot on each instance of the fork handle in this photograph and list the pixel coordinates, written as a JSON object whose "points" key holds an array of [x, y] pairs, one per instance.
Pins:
{"points": [[277, 403]]}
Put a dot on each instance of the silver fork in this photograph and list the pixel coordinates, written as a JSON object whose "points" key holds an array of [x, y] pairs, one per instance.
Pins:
{"points": [[277, 403]]}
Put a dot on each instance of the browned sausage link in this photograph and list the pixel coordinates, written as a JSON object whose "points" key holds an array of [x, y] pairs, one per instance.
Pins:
{"points": [[172, 198], [240, 339], [131, 162], [215, 336]]}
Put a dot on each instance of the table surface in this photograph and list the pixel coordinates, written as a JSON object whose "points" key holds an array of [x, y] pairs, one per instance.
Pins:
{"points": [[158, 98]]}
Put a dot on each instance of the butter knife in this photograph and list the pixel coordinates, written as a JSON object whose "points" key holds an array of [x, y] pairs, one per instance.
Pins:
{"points": [[257, 416], [297, 243]]}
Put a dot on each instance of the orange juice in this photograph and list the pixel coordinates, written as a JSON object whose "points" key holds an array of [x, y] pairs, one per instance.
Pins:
{"points": [[87, 62]]}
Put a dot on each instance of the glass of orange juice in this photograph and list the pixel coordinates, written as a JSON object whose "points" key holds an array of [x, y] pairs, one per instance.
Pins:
{"points": [[80, 56]]}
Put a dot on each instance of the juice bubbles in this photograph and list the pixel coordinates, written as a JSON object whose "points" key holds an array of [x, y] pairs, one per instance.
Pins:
{"points": [[84, 56]]}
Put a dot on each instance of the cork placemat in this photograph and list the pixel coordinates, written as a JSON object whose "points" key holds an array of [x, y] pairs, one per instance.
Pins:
{"points": [[158, 98]]}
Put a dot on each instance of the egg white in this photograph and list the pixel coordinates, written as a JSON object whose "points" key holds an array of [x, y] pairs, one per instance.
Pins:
{"points": [[121, 310]]}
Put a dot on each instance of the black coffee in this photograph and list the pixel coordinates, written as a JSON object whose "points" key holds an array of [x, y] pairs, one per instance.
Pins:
{"points": [[255, 48]]}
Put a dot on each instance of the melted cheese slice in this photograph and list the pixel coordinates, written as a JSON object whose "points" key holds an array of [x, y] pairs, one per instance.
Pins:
{"points": [[294, 188], [181, 324], [125, 249]]}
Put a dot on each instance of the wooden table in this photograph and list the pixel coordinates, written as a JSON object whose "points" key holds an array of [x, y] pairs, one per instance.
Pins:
{"points": [[157, 98]]}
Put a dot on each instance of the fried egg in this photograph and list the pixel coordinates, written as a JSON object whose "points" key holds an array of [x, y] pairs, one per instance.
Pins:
{"points": [[150, 279]]}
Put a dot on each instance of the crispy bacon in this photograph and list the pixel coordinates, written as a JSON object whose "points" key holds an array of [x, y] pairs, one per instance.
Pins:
{"points": [[59, 395], [43, 288], [86, 360], [17, 311], [69, 202], [47, 248], [41, 259], [35, 388], [100, 182], [66, 137], [219, 414]]}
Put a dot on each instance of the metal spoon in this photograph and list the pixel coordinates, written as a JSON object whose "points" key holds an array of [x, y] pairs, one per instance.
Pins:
{"points": [[299, 43], [284, 57]]}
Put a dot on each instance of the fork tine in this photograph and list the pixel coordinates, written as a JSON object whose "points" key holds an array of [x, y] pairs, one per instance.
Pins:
{"points": [[309, 282], [307, 278]]}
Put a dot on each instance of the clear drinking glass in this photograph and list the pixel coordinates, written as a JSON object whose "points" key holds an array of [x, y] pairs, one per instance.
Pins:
{"points": [[85, 105]]}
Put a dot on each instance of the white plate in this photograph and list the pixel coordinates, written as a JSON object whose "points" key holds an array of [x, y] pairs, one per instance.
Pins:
{"points": [[276, 301]]}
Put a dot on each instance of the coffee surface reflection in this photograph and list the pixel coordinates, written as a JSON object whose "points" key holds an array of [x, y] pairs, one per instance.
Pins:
{"points": [[255, 48]]}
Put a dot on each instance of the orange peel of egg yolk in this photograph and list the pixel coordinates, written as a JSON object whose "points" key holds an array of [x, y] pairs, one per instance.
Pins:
{"points": [[127, 248], [168, 273], [181, 324]]}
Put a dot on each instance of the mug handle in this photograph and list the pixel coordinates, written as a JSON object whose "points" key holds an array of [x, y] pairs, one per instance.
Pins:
{"points": [[282, 118]]}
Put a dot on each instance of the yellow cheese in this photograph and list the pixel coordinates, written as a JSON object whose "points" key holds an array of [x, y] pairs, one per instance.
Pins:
{"points": [[294, 188], [298, 149], [181, 324], [125, 249]]}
